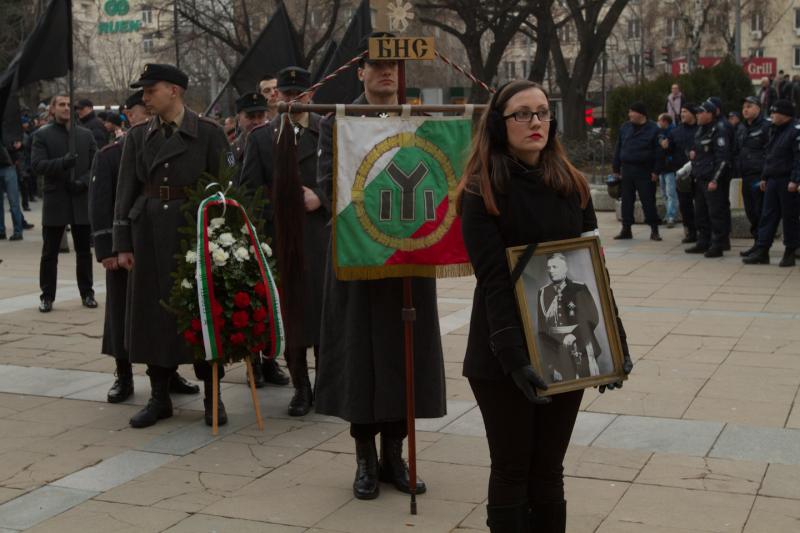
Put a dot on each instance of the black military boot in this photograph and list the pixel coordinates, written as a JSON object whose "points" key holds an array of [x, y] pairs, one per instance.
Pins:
{"points": [[393, 469], [788, 258], [654, 235], [258, 373], [509, 518], [714, 251], [302, 399], [158, 407], [122, 389], [273, 373], [745, 253], [691, 237], [180, 385], [625, 233], [365, 485], [549, 518], [208, 404], [726, 245], [698, 248], [759, 256]]}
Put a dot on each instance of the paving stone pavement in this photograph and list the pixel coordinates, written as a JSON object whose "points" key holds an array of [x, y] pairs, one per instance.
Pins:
{"points": [[705, 436]]}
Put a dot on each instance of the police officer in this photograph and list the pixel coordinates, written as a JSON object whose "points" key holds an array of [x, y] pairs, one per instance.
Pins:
{"points": [[779, 179], [749, 153], [302, 284], [102, 190], [725, 178], [710, 159], [567, 319], [251, 110], [635, 160], [678, 144], [161, 158]]}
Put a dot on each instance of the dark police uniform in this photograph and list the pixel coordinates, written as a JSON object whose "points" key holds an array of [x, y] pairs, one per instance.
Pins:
{"points": [[712, 156], [568, 308], [635, 160], [781, 166], [749, 155], [681, 141]]}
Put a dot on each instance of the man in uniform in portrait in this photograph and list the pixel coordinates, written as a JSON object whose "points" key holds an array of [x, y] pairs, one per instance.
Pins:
{"points": [[568, 317]]}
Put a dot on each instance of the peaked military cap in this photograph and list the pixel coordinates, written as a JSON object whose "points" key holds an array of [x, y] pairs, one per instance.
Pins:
{"points": [[155, 72], [251, 102], [135, 99], [294, 79]]}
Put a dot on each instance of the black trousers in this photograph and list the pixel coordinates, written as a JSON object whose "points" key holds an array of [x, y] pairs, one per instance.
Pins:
{"points": [[753, 201], [48, 266], [711, 216], [297, 364], [641, 183], [202, 370], [396, 429], [779, 205], [527, 442], [686, 205]]}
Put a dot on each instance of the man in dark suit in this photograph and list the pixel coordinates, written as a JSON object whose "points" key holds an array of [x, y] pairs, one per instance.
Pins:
{"points": [[102, 192], [66, 184], [567, 319], [302, 328], [89, 120], [160, 159]]}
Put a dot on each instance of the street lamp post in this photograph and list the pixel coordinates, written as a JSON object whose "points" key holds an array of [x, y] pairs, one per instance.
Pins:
{"points": [[737, 38], [175, 33]]}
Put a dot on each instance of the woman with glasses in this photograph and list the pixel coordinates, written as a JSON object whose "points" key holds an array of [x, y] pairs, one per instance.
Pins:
{"points": [[519, 188]]}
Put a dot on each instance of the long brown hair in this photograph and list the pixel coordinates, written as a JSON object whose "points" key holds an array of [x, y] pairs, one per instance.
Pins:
{"points": [[487, 171]]}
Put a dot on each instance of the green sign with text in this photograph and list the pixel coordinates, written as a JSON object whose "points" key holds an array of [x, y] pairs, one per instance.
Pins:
{"points": [[118, 8]]}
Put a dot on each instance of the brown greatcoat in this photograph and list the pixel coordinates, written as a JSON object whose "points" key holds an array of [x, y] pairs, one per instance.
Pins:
{"points": [[148, 227]]}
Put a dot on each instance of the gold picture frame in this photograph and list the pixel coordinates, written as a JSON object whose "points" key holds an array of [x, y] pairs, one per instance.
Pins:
{"points": [[570, 323]]}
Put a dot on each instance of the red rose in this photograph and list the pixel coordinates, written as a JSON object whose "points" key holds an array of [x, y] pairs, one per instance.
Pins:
{"points": [[241, 300], [240, 319], [259, 329], [260, 314], [190, 337], [260, 289], [216, 309], [237, 338], [258, 347], [196, 324]]}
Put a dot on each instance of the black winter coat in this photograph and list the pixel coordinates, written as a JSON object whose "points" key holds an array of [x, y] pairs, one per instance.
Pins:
{"points": [[92, 123], [783, 152], [530, 212], [636, 148], [50, 145], [750, 147]]}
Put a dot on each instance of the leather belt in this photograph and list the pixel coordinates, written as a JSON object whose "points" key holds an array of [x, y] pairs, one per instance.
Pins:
{"points": [[165, 193]]}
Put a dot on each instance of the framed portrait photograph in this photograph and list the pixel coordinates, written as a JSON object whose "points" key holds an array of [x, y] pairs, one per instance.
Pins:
{"points": [[566, 308]]}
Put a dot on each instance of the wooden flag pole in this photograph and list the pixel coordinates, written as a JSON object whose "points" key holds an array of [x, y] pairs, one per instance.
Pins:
{"points": [[362, 109], [251, 379], [215, 398]]}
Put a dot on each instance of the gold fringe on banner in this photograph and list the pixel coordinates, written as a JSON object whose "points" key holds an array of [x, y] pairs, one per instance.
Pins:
{"points": [[402, 271]]}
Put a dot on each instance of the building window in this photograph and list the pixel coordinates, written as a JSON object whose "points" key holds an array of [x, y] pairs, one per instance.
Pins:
{"points": [[147, 15], [147, 44], [511, 70], [756, 22], [598, 66], [796, 19], [525, 66], [673, 28], [796, 57], [634, 28], [756, 52], [634, 60], [564, 33]]}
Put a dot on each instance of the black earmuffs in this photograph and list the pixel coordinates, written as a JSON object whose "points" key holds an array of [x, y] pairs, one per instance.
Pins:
{"points": [[496, 124]]}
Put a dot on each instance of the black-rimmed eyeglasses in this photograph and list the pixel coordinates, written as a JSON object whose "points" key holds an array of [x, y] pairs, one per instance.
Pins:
{"points": [[527, 116]]}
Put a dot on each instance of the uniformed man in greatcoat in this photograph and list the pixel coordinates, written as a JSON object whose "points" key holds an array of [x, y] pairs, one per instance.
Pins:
{"points": [[102, 190], [361, 373], [251, 109], [160, 159], [303, 328], [567, 319]]}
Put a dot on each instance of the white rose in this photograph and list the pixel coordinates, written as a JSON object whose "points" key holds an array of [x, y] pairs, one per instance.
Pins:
{"points": [[241, 254], [213, 247], [186, 284], [244, 230], [267, 249], [216, 223], [220, 257], [191, 257], [226, 240]]}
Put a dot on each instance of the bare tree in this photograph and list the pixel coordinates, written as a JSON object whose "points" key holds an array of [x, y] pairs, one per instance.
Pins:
{"points": [[768, 12], [485, 29]]}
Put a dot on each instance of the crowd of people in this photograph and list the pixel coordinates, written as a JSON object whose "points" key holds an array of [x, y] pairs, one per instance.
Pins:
{"points": [[694, 151]]}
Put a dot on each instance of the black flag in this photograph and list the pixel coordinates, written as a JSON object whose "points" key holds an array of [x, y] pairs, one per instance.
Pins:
{"points": [[45, 54], [345, 88], [276, 47], [322, 66]]}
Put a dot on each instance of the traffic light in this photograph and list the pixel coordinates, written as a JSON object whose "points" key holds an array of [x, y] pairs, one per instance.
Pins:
{"points": [[588, 116], [666, 54], [648, 58]]}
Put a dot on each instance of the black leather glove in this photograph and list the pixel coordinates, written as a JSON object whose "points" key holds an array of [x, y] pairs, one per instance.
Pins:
{"points": [[527, 380], [627, 366], [68, 161]]}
